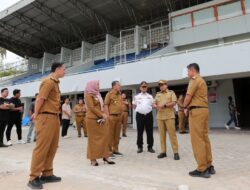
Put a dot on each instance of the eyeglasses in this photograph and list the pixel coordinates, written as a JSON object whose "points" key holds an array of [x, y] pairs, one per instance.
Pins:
{"points": [[144, 87]]}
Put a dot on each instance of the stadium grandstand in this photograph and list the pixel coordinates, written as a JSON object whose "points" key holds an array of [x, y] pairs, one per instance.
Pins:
{"points": [[131, 41]]}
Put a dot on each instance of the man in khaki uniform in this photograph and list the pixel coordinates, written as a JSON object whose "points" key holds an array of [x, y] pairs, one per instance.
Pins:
{"points": [[80, 113], [47, 123], [125, 110], [113, 108], [197, 102], [165, 101], [181, 115]]}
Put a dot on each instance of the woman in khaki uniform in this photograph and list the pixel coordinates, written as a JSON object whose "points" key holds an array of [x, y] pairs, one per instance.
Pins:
{"points": [[96, 125]]}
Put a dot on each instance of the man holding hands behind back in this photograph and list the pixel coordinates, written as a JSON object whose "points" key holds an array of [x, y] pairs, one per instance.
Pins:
{"points": [[196, 102]]}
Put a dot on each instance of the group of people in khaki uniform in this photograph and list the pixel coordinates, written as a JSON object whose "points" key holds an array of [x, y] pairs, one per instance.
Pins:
{"points": [[102, 122]]}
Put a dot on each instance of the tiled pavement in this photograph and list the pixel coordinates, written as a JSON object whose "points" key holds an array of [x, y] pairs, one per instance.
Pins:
{"points": [[231, 151]]}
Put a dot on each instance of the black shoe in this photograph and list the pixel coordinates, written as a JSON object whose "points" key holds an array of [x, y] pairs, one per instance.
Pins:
{"points": [[162, 155], [50, 179], [79, 136], [117, 154], [108, 161], [35, 184], [86, 136], [211, 170], [176, 156], [140, 150], [124, 135], [3, 145], [151, 150], [197, 173]]}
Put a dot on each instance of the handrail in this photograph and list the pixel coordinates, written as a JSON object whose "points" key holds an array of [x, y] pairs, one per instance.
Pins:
{"points": [[159, 56]]}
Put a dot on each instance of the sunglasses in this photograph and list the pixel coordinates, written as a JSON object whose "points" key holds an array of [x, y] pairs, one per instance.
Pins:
{"points": [[144, 87]]}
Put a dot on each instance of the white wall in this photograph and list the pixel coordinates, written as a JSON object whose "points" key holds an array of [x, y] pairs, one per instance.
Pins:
{"points": [[219, 111]]}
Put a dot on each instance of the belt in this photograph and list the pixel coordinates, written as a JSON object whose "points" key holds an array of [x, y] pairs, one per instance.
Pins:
{"points": [[115, 114], [144, 113], [195, 107], [57, 114]]}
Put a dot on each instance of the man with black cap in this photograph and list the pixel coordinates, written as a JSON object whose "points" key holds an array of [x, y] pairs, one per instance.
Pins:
{"points": [[143, 103], [165, 101]]}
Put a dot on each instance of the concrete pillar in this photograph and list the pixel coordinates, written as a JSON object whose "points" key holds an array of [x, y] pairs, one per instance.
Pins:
{"points": [[139, 32], [26, 102], [134, 92]]}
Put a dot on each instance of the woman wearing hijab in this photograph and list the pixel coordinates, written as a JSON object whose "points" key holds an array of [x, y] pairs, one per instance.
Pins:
{"points": [[98, 135]]}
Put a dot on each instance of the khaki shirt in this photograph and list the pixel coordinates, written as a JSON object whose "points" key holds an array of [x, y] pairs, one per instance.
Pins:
{"points": [[50, 92], [163, 98], [114, 102], [80, 109], [125, 107], [93, 107], [197, 88]]}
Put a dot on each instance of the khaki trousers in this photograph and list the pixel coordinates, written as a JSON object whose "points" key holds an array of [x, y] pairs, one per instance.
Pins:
{"points": [[198, 126], [47, 138], [124, 122], [114, 132], [80, 122], [182, 121], [167, 125]]}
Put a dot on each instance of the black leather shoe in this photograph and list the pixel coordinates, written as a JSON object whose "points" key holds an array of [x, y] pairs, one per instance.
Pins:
{"points": [[151, 150], [197, 173], [35, 184], [3, 145], [176, 156], [211, 170], [124, 135], [140, 150], [162, 155], [50, 179], [118, 154]]}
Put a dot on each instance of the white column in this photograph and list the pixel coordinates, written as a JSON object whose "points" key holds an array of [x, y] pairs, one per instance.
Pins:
{"points": [[27, 102], [134, 92]]}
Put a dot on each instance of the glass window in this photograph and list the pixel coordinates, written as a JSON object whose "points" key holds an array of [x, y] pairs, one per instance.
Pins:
{"points": [[181, 22], [229, 10], [204, 16], [247, 5]]}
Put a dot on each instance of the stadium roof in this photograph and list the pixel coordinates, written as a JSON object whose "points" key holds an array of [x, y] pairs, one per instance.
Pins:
{"points": [[31, 27]]}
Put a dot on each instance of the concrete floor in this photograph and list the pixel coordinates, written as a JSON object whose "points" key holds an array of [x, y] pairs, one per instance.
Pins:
{"points": [[231, 151]]}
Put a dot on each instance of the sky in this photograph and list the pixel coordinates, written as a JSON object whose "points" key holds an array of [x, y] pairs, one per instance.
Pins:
{"points": [[11, 57]]}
